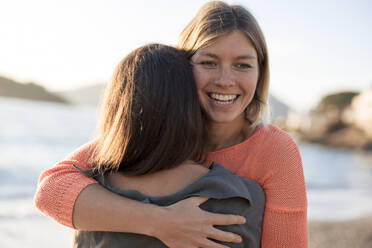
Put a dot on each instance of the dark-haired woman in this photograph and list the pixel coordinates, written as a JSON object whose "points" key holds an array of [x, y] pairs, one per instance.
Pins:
{"points": [[230, 62]]}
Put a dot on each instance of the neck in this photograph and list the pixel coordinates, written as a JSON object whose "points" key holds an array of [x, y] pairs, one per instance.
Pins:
{"points": [[223, 135]]}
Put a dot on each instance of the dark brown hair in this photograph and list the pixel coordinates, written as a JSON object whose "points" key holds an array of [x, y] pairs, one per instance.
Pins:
{"points": [[151, 118]]}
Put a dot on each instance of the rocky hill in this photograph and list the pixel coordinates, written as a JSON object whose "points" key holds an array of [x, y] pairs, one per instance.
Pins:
{"points": [[340, 120], [31, 91], [91, 95]]}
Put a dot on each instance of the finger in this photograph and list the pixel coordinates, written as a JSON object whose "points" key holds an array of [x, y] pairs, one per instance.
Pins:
{"points": [[224, 236], [199, 199], [226, 219]]}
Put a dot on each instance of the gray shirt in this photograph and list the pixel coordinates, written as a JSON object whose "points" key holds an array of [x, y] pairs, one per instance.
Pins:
{"points": [[228, 193]]}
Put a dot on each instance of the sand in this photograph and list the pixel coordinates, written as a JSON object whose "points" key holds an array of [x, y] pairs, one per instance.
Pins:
{"points": [[356, 233]]}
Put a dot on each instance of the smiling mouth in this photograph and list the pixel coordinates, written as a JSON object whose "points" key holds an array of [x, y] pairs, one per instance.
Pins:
{"points": [[223, 98]]}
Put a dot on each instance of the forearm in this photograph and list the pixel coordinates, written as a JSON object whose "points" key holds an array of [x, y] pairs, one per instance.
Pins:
{"points": [[182, 224], [72, 199], [97, 209]]}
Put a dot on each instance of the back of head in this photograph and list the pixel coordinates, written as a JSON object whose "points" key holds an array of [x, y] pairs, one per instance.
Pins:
{"points": [[151, 118], [217, 18]]}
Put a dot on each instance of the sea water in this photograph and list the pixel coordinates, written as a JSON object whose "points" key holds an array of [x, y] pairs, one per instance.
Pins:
{"points": [[35, 135]]}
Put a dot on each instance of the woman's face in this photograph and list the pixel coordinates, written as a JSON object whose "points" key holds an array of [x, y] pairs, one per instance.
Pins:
{"points": [[226, 74]]}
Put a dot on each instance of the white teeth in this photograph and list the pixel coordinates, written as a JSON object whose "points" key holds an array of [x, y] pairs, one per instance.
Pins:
{"points": [[224, 99], [227, 102]]}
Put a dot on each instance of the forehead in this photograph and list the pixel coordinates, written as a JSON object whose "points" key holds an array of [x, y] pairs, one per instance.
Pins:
{"points": [[234, 44]]}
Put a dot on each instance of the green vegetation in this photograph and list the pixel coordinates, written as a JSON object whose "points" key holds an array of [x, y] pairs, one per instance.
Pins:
{"points": [[31, 91], [339, 100]]}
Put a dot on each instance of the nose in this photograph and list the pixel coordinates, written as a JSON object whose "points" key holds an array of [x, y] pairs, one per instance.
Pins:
{"points": [[225, 78]]}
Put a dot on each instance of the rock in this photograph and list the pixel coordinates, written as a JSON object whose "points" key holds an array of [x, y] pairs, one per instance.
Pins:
{"points": [[31, 91]]}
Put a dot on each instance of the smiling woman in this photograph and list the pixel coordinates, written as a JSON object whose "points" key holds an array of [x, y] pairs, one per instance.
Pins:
{"points": [[228, 53], [226, 73]]}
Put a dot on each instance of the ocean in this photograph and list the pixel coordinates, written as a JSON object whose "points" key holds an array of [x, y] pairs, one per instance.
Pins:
{"points": [[34, 135]]}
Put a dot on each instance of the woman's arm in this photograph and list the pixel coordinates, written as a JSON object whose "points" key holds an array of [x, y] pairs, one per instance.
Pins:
{"points": [[285, 218], [76, 201], [60, 186], [189, 229], [275, 163]]}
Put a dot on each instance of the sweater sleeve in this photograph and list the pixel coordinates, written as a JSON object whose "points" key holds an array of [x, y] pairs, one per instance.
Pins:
{"points": [[59, 187], [285, 219]]}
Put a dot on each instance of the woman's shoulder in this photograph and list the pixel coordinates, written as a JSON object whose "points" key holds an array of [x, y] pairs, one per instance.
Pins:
{"points": [[279, 148], [273, 146], [274, 134], [268, 141], [271, 138]]}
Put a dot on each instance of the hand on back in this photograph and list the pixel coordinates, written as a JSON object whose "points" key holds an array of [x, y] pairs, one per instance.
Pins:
{"points": [[185, 225]]}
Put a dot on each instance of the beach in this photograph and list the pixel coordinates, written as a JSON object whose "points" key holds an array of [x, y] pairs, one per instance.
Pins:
{"points": [[338, 181], [355, 233]]}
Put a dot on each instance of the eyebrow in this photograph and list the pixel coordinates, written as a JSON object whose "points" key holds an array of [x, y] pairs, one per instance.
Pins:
{"points": [[247, 56]]}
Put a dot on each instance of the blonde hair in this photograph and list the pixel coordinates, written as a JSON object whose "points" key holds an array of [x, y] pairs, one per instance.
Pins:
{"points": [[215, 19]]}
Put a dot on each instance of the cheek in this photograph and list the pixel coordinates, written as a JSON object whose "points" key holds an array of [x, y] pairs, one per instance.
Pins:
{"points": [[251, 82], [201, 78], [198, 81], [252, 85], [202, 101], [201, 98], [249, 86]]}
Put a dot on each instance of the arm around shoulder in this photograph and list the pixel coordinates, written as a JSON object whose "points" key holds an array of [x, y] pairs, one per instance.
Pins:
{"points": [[72, 199]]}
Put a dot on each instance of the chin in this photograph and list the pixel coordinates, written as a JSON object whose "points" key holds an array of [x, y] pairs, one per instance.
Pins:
{"points": [[225, 119]]}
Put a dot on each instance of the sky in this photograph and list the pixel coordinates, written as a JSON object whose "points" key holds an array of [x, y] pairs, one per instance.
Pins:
{"points": [[315, 47]]}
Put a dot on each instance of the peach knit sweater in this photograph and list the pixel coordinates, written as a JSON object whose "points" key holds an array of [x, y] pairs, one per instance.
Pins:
{"points": [[270, 157]]}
